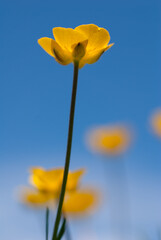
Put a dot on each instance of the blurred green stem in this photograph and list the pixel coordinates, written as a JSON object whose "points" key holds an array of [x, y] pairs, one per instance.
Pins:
{"points": [[68, 152], [68, 234], [47, 223]]}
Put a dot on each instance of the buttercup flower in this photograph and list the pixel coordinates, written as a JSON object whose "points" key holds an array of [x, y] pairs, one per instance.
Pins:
{"points": [[85, 44], [47, 185], [109, 140], [156, 122]]}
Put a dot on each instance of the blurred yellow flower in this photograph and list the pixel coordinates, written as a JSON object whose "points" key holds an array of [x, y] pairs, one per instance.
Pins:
{"points": [[84, 44], [109, 140], [156, 122], [47, 185]]}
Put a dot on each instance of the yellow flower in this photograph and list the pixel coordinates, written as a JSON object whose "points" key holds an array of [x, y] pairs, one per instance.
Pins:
{"points": [[156, 122], [109, 140], [85, 44], [47, 185]]}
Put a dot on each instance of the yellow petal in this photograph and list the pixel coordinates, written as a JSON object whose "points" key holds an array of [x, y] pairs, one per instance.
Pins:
{"points": [[52, 48], [93, 56], [79, 202], [66, 37], [47, 180], [36, 198], [73, 179], [109, 140], [98, 38]]}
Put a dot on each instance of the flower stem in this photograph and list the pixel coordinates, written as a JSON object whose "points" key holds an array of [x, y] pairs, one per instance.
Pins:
{"points": [[68, 234], [47, 223], [68, 151]]}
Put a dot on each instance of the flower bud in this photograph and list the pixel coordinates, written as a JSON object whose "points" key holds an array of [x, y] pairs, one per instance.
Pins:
{"points": [[79, 50]]}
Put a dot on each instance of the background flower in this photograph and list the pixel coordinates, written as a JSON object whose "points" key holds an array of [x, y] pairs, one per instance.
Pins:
{"points": [[109, 140], [47, 185], [156, 122]]}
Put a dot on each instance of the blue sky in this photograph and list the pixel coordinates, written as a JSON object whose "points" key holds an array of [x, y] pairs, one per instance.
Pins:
{"points": [[122, 87]]}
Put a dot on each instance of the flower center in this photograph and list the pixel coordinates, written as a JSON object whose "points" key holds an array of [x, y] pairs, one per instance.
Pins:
{"points": [[111, 141]]}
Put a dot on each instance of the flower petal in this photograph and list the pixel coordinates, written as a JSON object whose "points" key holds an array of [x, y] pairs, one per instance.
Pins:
{"points": [[97, 37], [79, 202], [66, 37], [52, 48], [47, 180], [36, 198], [93, 56], [73, 179]]}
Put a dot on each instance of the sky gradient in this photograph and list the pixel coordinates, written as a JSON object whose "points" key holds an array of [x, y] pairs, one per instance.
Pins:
{"points": [[122, 87]]}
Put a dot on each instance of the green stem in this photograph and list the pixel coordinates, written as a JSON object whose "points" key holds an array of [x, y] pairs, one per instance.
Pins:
{"points": [[62, 230], [47, 223], [68, 152], [68, 234]]}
